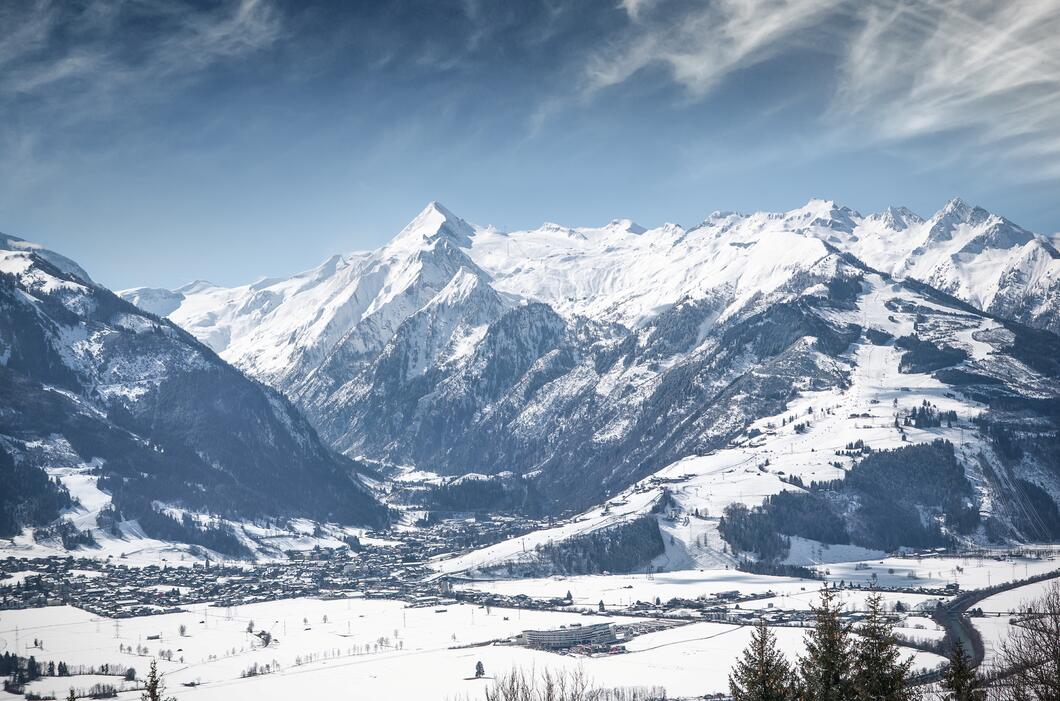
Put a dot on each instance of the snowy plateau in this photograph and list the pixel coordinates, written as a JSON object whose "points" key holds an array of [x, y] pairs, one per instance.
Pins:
{"points": [[402, 459]]}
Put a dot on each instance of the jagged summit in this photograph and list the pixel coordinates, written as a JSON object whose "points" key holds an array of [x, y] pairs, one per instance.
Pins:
{"points": [[898, 218], [605, 274], [434, 223], [825, 213]]}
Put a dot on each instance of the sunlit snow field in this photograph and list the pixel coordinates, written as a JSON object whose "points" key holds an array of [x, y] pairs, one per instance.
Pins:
{"points": [[421, 658]]}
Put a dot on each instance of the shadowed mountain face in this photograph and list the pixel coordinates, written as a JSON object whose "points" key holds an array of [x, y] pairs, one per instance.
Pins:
{"points": [[587, 359], [88, 378]]}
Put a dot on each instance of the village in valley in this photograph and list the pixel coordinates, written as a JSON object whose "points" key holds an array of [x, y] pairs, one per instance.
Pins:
{"points": [[91, 624]]}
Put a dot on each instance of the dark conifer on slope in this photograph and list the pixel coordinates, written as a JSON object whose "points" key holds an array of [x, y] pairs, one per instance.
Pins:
{"points": [[154, 687], [827, 670], [762, 674], [961, 680], [880, 672]]}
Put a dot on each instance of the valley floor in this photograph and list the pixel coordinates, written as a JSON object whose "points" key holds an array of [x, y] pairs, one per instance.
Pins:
{"points": [[366, 648], [427, 654]]}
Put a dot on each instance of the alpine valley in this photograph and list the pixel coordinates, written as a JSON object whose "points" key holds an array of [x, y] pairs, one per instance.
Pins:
{"points": [[782, 388]]}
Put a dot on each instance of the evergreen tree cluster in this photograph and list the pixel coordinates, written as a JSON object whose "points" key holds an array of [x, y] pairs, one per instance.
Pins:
{"points": [[752, 530], [158, 524], [490, 495], [922, 356], [37, 501], [624, 548], [19, 671], [880, 504], [928, 416], [836, 666]]}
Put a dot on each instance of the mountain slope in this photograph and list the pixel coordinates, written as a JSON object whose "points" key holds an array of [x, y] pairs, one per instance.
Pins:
{"points": [[922, 367], [965, 251], [589, 358], [90, 382]]}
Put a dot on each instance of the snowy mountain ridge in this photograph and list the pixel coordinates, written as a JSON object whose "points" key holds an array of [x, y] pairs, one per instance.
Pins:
{"points": [[619, 273], [573, 365], [588, 359]]}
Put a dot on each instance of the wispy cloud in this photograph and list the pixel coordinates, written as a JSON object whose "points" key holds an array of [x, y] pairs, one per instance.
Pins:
{"points": [[65, 65], [989, 68], [703, 43], [90, 59], [903, 69]]}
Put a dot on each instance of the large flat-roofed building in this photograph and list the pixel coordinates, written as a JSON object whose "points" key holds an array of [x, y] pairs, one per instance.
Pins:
{"points": [[569, 636]]}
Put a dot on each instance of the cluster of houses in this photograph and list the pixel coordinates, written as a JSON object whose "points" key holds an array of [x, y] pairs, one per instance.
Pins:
{"points": [[116, 590]]}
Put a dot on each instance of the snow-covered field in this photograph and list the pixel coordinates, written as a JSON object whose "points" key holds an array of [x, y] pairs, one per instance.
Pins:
{"points": [[371, 648], [997, 610], [934, 572], [619, 591]]}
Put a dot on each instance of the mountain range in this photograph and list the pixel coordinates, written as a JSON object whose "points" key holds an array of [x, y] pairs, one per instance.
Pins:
{"points": [[590, 357], [580, 363]]}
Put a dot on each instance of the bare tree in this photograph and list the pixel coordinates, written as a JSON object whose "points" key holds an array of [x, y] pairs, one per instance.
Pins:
{"points": [[519, 685], [1028, 664]]}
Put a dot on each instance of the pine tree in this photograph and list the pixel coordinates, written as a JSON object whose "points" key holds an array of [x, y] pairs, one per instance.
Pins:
{"points": [[154, 687], [71, 696], [762, 674], [960, 678], [480, 671], [827, 670], [880, 672]]}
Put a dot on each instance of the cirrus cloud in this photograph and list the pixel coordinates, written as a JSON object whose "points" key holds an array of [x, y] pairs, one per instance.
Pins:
{"points": [[903, 69]]}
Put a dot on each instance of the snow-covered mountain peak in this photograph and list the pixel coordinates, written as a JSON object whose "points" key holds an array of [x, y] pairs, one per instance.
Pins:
{"points": [[827, 213], [625, 225], [154, 300], [955, 213], [956, 207], [897, 218], [432, 224], [18, 248], [196, 286]]}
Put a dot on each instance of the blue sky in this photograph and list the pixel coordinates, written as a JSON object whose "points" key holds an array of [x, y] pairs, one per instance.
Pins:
{"points": [[157, 142]]}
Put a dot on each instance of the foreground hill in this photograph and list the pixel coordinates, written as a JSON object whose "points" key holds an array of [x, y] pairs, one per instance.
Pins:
{"points": [[93, 385]]}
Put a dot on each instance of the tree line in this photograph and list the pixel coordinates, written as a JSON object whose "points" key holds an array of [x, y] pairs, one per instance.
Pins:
{"points": [[879, 505]]}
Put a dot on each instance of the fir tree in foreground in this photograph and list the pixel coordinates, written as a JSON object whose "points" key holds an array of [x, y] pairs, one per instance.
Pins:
{"points": [[763, 673], [154, 687], [961, 680], [827, 670], [880, 672]]}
